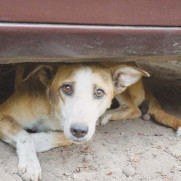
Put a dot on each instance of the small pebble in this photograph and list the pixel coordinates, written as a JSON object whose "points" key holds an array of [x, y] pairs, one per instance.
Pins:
{"points": [[75, 176], [176, 153], [170, 138], [67, 173], [129, 171], [88, 158], [146, 117], [172, 170]]}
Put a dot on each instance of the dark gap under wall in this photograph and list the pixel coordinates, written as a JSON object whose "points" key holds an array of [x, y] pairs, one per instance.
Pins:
{"points": [[7, 74]]}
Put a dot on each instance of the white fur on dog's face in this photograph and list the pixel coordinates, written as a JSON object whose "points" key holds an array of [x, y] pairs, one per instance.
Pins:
{"points": [[82, 107], [74, 95]]}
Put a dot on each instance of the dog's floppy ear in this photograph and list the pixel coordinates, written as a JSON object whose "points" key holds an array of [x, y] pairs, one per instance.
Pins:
{"points": [[43, 73], [124, 76]]}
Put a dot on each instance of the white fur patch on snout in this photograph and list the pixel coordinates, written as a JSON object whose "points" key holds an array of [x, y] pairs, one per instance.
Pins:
{"points": [[82, 107]]}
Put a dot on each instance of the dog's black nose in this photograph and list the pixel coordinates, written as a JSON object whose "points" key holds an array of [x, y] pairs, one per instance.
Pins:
{"points": [[78, 131]]}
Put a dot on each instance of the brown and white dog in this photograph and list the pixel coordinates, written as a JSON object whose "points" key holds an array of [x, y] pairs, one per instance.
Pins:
{"points": [[70, 98]]}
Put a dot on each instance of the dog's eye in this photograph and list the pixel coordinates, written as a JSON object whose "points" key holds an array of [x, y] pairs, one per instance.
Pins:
{"points": [[99, 93], [67, 89]]}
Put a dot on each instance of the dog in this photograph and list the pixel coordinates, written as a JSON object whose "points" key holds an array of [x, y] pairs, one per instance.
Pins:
{"points": [[61, 104]]}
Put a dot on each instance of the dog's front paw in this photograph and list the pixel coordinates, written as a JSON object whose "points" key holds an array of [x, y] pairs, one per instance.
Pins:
{"points": [[105, 118], [179, 131], [29, 168]]}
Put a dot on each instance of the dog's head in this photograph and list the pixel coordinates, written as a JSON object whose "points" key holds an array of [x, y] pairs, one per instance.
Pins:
{"points": [[80, 93]]}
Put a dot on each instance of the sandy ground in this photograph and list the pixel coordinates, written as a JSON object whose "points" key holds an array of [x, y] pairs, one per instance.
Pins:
{"points": [[121, 150]]}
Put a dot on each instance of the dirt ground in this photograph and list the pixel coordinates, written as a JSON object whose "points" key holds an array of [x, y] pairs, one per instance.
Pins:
{"points": [[130, 150]]}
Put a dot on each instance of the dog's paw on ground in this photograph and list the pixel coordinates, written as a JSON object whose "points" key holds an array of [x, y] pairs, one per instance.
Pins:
{"points": [[29, 169], [179, 131], [104, 119]]}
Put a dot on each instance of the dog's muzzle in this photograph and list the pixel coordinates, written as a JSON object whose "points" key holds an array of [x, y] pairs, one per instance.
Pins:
{"points": [[79, 131]]}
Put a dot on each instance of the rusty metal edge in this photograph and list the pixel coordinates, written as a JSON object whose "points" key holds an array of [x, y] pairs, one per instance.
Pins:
{"points": [[44, 30]]}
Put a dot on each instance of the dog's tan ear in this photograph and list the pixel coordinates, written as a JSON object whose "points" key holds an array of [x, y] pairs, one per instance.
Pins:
{"points": [[43, 73], [124, 76]]}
